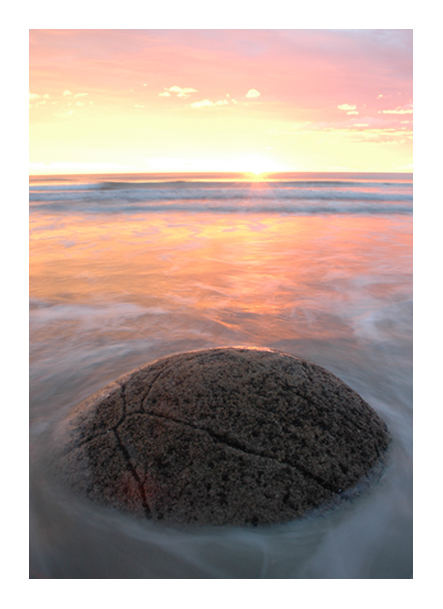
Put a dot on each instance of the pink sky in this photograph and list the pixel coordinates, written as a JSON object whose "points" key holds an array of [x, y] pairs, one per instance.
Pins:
{"points": [[219, 99]]}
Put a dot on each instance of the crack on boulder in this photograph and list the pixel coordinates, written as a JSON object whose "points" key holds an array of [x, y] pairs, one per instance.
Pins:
{"points": [[90, 438], [124, 406], [156, 377], [133, 471]]}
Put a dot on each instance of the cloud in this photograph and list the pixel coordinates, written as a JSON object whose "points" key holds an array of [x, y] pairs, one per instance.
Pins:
{"points": [[35, 96], [37, 99], [178, 91], [207, 103], [182, 91], [380, 95], [347, 107], [67, 92], [202, 104], [253, 93], [80, 94], [398, 110], [352, 112], [138, 106]]}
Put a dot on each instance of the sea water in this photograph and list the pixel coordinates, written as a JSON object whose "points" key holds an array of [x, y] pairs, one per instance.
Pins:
{"points": [[128, 268]]}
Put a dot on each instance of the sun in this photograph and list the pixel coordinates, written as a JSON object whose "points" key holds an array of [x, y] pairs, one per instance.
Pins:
{"points": [[256, 166], [256, 172]]}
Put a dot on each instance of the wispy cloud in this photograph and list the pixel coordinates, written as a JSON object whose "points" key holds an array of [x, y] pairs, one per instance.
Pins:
{"points": [[34, 96], [386, 136], [356, 132], [207, 103], [178, 91], [350, 107], [252, 93], [39, 96], [398, 110], [38, 99], [67, 92]]}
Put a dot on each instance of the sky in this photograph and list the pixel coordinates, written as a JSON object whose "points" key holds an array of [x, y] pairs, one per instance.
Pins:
{"points": [[220, 100]]}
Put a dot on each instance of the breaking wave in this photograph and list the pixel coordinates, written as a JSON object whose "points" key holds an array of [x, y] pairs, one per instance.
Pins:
{"points": [[285, 197]]}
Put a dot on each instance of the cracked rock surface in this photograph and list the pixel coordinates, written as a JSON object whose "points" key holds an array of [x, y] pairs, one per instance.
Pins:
{"points": [[229, 435]]}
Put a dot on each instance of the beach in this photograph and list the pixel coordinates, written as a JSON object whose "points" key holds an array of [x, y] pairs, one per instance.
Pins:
{"points": [[126, 269]]}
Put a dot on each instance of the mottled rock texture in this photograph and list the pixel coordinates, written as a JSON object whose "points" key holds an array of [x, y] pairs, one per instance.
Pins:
{"points": [[229, 435]]}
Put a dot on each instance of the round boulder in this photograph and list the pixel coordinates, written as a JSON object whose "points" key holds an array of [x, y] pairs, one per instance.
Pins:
{"points": [[228, 435]]}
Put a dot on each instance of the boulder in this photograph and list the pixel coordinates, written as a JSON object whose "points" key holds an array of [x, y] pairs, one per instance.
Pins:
{"points": [[228, 435]]}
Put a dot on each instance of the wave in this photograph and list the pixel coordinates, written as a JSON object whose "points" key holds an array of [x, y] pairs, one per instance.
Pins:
{"points": [[202, 194], [291, 197], [185, 184], [335, 208]]}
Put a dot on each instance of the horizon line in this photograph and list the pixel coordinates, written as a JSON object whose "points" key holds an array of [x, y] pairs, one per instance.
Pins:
{"points": [[213, 173]]}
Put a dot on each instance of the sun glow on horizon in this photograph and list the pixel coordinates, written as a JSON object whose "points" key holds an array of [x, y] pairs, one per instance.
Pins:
{"points": [[258, 166]]}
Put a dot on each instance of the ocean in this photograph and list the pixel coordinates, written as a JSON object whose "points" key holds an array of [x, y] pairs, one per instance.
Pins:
{"points": [[128, 268]]}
